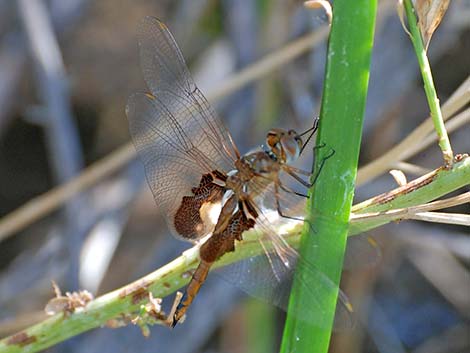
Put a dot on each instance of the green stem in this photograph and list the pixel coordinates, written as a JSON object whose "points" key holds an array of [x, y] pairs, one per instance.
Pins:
{"points": [[429, 88], [420, 191], [344, 98]]}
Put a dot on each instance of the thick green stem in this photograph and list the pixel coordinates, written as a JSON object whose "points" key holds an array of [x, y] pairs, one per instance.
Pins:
{"points": [[344, 98]]}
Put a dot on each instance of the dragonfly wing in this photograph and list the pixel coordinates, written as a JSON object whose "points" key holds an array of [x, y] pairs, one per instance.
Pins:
{"points": [[267, 278], [168, 79], [177, 134]]}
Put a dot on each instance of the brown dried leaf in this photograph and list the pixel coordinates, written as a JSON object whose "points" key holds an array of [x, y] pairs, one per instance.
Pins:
{"points": [[430, 14]]}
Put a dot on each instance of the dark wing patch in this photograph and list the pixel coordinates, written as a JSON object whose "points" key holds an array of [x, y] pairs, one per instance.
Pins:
{"points": [[188, 221]]}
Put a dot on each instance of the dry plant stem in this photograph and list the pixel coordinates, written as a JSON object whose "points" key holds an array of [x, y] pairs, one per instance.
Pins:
{"points": [[429, 88], [270, 63], [125, 302], [412, 212], [40, 206], [414, 141], [442, 217]]}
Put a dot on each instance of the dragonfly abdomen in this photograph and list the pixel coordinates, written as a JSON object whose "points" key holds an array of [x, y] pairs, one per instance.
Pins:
{"points": [[198, 278], [216, 246]]}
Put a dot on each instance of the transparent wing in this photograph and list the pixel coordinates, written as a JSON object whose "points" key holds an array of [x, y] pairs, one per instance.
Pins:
{"points": [[361, 252], [168, 78], [256, 277], [269, 277], [177, 134]]}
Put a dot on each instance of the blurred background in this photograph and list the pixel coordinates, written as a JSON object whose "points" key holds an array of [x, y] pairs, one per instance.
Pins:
{"points": [[66, 70]]}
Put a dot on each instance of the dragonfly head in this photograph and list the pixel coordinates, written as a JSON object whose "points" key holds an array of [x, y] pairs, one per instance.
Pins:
{"points": [[284, 145]]}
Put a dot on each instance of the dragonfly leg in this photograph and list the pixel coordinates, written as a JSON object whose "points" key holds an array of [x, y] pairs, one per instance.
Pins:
{"points": [[278, 205], [322, 163], [312, 131], [294, 175], [290, 191], [279, 211], [299, 171], [292, 171]]}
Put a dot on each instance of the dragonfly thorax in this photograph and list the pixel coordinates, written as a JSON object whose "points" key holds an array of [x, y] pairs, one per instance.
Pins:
{"points": [[255, 165], [262, 163]]}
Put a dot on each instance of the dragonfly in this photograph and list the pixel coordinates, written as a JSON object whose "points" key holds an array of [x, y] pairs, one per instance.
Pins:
{"points": [[209, 192]]}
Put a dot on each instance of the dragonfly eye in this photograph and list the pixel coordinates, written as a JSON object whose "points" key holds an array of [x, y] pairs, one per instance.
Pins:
{"points": [[291, 146], [297, 138]]}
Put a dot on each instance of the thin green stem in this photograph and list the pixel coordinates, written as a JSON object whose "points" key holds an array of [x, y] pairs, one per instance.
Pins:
{"points": [[126, 302], [422, 190], [429, 88]]}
